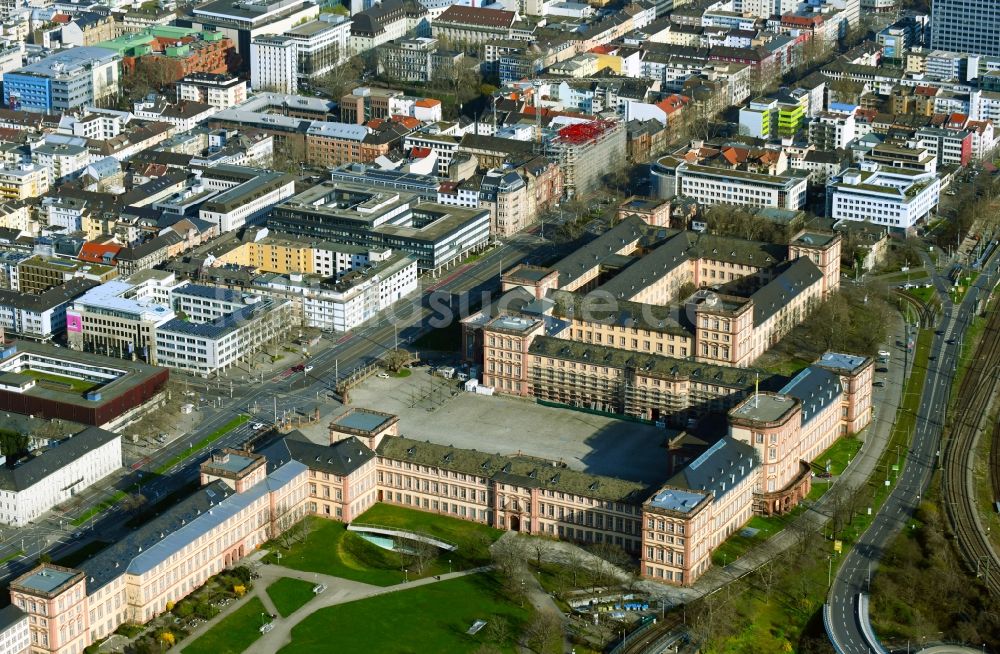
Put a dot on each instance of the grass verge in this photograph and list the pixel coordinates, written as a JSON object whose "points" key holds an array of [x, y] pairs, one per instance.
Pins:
{"points": [[119, 495], [233, 634], [289, 595], [208, 440]]}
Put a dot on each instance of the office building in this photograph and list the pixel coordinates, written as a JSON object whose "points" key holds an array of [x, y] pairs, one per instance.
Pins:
{"points": [[273, 64], [248, 195], [59, 472], [68, 79], [119, 318], [244, 20], [40, 273], [897, 198], [672, 177], [437, 235], [117, 389], [320, 46], [966, 26], [15, 635], [209, 347]]}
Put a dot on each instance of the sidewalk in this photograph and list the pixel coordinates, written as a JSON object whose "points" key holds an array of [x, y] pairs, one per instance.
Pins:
{"points": [[875, 437]]}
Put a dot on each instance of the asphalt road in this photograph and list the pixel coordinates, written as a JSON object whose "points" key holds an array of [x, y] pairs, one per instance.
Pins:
{"points": [[854, 576], [221, 402]]}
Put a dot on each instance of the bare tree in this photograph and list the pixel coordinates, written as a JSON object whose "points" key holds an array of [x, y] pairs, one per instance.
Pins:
{"points": [[418, 554], [508, 555], [544, 633], [767, 574], [498, 629]]}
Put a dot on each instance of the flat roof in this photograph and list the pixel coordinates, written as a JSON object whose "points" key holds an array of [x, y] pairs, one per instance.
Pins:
{"points": [[232, 463], [675, 499], [361, 420], [764, 407], [47, 579], [841, 361]]}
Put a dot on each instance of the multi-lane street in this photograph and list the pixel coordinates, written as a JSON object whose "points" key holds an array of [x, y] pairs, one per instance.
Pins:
{"points": [[847, 620], [341, 357]]}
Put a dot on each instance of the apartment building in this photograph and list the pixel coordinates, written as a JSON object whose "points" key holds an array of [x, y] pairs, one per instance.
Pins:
{"points": [[58, 473], [40, 316], [23, 182], [269, 251], [897, 198], [386, 21], [217, 90]]}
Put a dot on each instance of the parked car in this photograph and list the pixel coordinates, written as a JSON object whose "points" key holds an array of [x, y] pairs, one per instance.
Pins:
{"points": [[383, 375], [883, 353]]}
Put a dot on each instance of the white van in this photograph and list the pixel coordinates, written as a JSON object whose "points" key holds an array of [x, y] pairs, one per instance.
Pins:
{"points": [[883, 354]]}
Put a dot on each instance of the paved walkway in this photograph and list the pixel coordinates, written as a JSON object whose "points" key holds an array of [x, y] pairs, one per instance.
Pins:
{"points": [[338, 591], [874, 438]]}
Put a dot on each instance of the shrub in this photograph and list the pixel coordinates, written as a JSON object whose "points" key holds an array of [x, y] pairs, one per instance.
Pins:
{"points": [[129, 629]]}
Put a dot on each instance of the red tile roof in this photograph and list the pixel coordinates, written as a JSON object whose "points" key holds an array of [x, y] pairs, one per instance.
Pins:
{"points": [[94, 252]]}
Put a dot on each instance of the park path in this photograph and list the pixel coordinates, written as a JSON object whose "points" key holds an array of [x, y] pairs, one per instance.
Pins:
{"points": [[338, 591]]}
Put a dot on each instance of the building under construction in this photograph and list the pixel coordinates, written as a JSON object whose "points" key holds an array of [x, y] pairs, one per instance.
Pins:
{"points": [[586, 153]]}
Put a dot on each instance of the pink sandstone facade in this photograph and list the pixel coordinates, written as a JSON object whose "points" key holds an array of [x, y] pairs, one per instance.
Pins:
{"points": [[760, 466]]}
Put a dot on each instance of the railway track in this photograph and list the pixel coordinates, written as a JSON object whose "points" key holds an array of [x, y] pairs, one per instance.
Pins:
{"points": [[972, 404]]}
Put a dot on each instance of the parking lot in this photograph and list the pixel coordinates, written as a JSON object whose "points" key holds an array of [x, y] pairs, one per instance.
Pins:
{"points": [[436, 409]]}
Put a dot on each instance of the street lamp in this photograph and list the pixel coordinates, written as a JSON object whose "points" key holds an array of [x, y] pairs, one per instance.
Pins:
{"points": [[449, 566], [406, 575]]}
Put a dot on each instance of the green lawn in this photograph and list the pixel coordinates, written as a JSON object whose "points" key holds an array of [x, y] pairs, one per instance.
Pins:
{"points": [[432, 618], [75, 385], [922, 294], [205, 442], [402, 373], [332, 550], [289, 595], [234, 633], [737, 545], [472, 538], [838, 454]]}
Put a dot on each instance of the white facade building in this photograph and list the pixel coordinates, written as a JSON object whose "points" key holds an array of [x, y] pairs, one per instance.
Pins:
{"points": [[355, 299], [40, 483], [15, 633], [897, 198], [320, 45], [671, 176], [210, 347], [247, 202], [219, 91], [272, 64]]}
